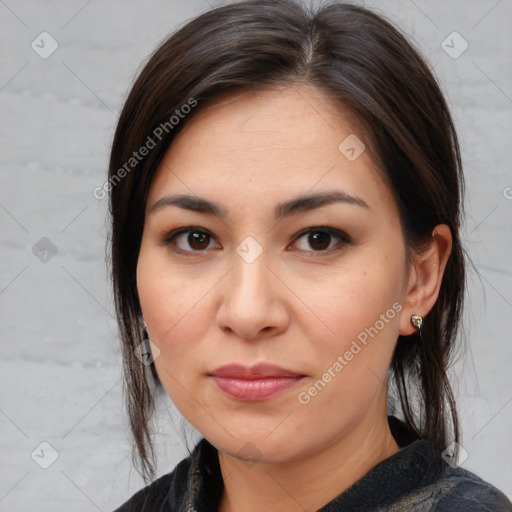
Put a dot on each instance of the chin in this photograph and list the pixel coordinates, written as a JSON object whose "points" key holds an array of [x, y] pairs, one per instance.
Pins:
{"points": [[256, 447]]}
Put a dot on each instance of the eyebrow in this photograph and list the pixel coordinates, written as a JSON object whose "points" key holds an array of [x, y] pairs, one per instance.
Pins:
{"points": [[293, 206]]}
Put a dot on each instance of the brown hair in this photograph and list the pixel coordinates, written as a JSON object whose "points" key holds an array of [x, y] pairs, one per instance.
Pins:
{"points": [[356, 58]]}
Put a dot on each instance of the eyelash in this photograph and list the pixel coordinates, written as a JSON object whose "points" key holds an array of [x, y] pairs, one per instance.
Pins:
{"points": [[344, 239]]}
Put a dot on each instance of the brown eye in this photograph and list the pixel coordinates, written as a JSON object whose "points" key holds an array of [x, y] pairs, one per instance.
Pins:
{"points": [[198, 241], [320, 239], [189, 240]]}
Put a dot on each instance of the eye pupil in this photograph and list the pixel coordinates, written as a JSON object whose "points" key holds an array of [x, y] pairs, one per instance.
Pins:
{"points": [[196, 240], [319, 238]]}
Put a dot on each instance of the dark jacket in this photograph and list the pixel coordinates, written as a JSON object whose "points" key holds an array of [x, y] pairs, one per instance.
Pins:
{"points": [[416, 478]]}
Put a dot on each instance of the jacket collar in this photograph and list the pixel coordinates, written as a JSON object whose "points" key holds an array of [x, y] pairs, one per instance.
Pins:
{"points": [[197, 484]]}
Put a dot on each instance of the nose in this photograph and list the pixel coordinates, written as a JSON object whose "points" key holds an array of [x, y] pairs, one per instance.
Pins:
{"points": [[253, 305]]}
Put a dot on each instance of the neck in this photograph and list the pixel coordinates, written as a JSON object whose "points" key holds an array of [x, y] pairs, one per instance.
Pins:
{"points": [[310, 482]]}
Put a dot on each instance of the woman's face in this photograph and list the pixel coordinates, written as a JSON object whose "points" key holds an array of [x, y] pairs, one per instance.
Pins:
{"points": [[245, 286]]}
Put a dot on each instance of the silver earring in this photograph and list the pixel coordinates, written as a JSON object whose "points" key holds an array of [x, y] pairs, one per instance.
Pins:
{"points": [[417, 321]]}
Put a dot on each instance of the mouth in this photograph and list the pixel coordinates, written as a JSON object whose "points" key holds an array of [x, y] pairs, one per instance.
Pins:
{"points": [[256, 383]]}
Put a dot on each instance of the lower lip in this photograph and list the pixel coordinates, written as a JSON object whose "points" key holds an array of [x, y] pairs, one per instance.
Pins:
{"points": [[255, 389]]}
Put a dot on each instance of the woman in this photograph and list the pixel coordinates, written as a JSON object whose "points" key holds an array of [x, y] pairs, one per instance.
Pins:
{"points": [[286, 193]]}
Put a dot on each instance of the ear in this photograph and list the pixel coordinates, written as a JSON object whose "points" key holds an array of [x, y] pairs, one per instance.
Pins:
{"points": [[425, 276]]}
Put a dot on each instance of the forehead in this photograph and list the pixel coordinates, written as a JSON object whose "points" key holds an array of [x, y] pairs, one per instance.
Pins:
{"points": [[262, 146]]}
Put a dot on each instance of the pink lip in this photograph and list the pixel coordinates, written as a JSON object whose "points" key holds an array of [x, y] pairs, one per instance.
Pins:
{"points": [[258, 382]]}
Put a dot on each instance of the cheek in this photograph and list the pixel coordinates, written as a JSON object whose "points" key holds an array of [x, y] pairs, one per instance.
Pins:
{"points": [[361, 307], [352, 364], [163, 300], [177, 307], [356, 299], [164, 293], [172, 311]]}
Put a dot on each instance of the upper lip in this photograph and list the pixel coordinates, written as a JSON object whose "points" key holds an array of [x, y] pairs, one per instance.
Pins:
{"points": [[261, 370]]}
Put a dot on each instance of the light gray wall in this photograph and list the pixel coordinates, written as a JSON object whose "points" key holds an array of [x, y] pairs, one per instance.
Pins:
{"points": [[60, 362]]}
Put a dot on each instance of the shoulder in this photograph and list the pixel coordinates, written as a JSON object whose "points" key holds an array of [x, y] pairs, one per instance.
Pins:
{"points": [[435, 484], [159, 494], [197, 479], [148, 498], [461, 489]]}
